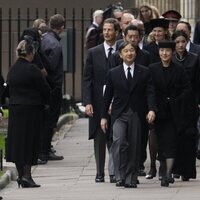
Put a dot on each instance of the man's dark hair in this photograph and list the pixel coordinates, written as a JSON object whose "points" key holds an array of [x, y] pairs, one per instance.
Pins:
{"points": [[112, 21], [124, 44], [131, 28], [187, 24]]}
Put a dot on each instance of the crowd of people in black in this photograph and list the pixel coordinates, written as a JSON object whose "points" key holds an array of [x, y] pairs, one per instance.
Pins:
{"points": [[141, 84], [34, 88]]}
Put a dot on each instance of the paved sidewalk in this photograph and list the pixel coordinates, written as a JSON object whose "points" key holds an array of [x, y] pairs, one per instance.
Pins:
{"points": [[73, 177]]}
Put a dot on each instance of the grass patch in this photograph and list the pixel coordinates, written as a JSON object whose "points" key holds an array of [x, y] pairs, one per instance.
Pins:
{"points": [[2, 146], [2, 143], [5, 113]]}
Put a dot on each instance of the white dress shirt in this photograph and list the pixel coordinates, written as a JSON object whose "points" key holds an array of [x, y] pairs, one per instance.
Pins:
{"points": [[126, 69]]}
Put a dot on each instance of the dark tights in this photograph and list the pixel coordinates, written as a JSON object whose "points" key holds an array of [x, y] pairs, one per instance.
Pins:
{"points": [[23, 170], [153, 148]]}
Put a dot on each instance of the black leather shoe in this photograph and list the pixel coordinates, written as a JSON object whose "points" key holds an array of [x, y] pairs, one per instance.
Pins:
{"points": [[164, 182], [132, 185], [170, 179], [141, 172], [137, 182], [28, 183], [176, 176], [41, 162], [53, 156], [184, 178], [99, 179], [112, 179], [1, 198], [120, 183], [152, 173]]}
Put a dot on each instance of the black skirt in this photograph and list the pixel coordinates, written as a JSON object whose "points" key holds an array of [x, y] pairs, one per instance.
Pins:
{"points": [[167, 138], [24, 129]]}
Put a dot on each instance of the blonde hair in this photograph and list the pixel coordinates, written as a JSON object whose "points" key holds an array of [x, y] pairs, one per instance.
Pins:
{"points": [[148, 6], [37, 22]]}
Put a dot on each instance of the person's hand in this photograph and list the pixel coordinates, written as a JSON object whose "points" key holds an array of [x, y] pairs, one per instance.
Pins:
{"points": [[44, 72], [89, 110], [151, 117], [104, 125], [1, 117]]}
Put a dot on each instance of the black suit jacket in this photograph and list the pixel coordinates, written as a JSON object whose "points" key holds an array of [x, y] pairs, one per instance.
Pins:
{"points": [[95, 72], [139, 96], [194, 48]]}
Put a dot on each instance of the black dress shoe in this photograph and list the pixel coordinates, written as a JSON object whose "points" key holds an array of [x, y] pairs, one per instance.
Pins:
{"points": [[170, 179], [141, 172], [41, 162], [164, 182], [99, 179], [152, 173], [112, 179], [137, 182], [131, 185], [53, 156], [184, 178], [176, 176], [120, 183]]}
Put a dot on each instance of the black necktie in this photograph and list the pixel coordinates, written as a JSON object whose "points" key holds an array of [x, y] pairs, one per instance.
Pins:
{"points": [[129, 77], [110, 51]]}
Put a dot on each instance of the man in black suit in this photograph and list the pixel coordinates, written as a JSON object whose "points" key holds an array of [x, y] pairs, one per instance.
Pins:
{"points": [[133, 35], [133, 102], [186, 27], [96, 68]]}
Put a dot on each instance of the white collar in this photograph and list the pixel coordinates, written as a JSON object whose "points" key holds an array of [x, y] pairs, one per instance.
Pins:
{"points": [[188, 46], [132, 66], [106, 46]]}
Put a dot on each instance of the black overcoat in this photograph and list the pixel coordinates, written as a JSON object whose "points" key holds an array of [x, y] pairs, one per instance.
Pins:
{"points": [[95, 72]]}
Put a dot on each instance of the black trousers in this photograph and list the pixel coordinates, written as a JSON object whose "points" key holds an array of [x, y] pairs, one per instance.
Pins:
{"points": [[50, 119]]}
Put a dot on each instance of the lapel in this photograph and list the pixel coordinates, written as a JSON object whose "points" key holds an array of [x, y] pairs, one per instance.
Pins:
{"points": [[136, 75], [123, 76], [101, 57]]}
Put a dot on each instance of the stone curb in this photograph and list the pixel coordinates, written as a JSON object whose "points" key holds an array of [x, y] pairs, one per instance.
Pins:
{"points": [[11, 173]]}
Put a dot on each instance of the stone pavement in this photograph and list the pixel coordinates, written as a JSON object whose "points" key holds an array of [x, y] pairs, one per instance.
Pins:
{"points": [[73, 177]]}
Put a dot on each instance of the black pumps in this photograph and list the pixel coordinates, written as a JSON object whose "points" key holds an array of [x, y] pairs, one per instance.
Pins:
{"points": [[26, 183]]}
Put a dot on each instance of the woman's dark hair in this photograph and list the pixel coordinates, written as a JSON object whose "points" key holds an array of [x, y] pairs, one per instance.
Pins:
{"points": [[124, 44], [178, 33]]}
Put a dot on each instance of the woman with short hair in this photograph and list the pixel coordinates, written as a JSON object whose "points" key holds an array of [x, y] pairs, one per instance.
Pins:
{"points": [[172, 87], [28, 93]]}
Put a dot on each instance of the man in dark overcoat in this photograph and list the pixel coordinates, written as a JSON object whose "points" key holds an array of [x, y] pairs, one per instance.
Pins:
{"points": [[95, 71]]}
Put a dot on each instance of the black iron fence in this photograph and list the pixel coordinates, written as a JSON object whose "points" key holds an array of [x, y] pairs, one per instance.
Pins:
{"points": [[14, 21], [12, 25]]}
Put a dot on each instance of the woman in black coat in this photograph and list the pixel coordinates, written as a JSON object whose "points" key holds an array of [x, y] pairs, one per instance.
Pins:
{"points": [[28, 92], [185, 164], [172, 88], [159, 32]]}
